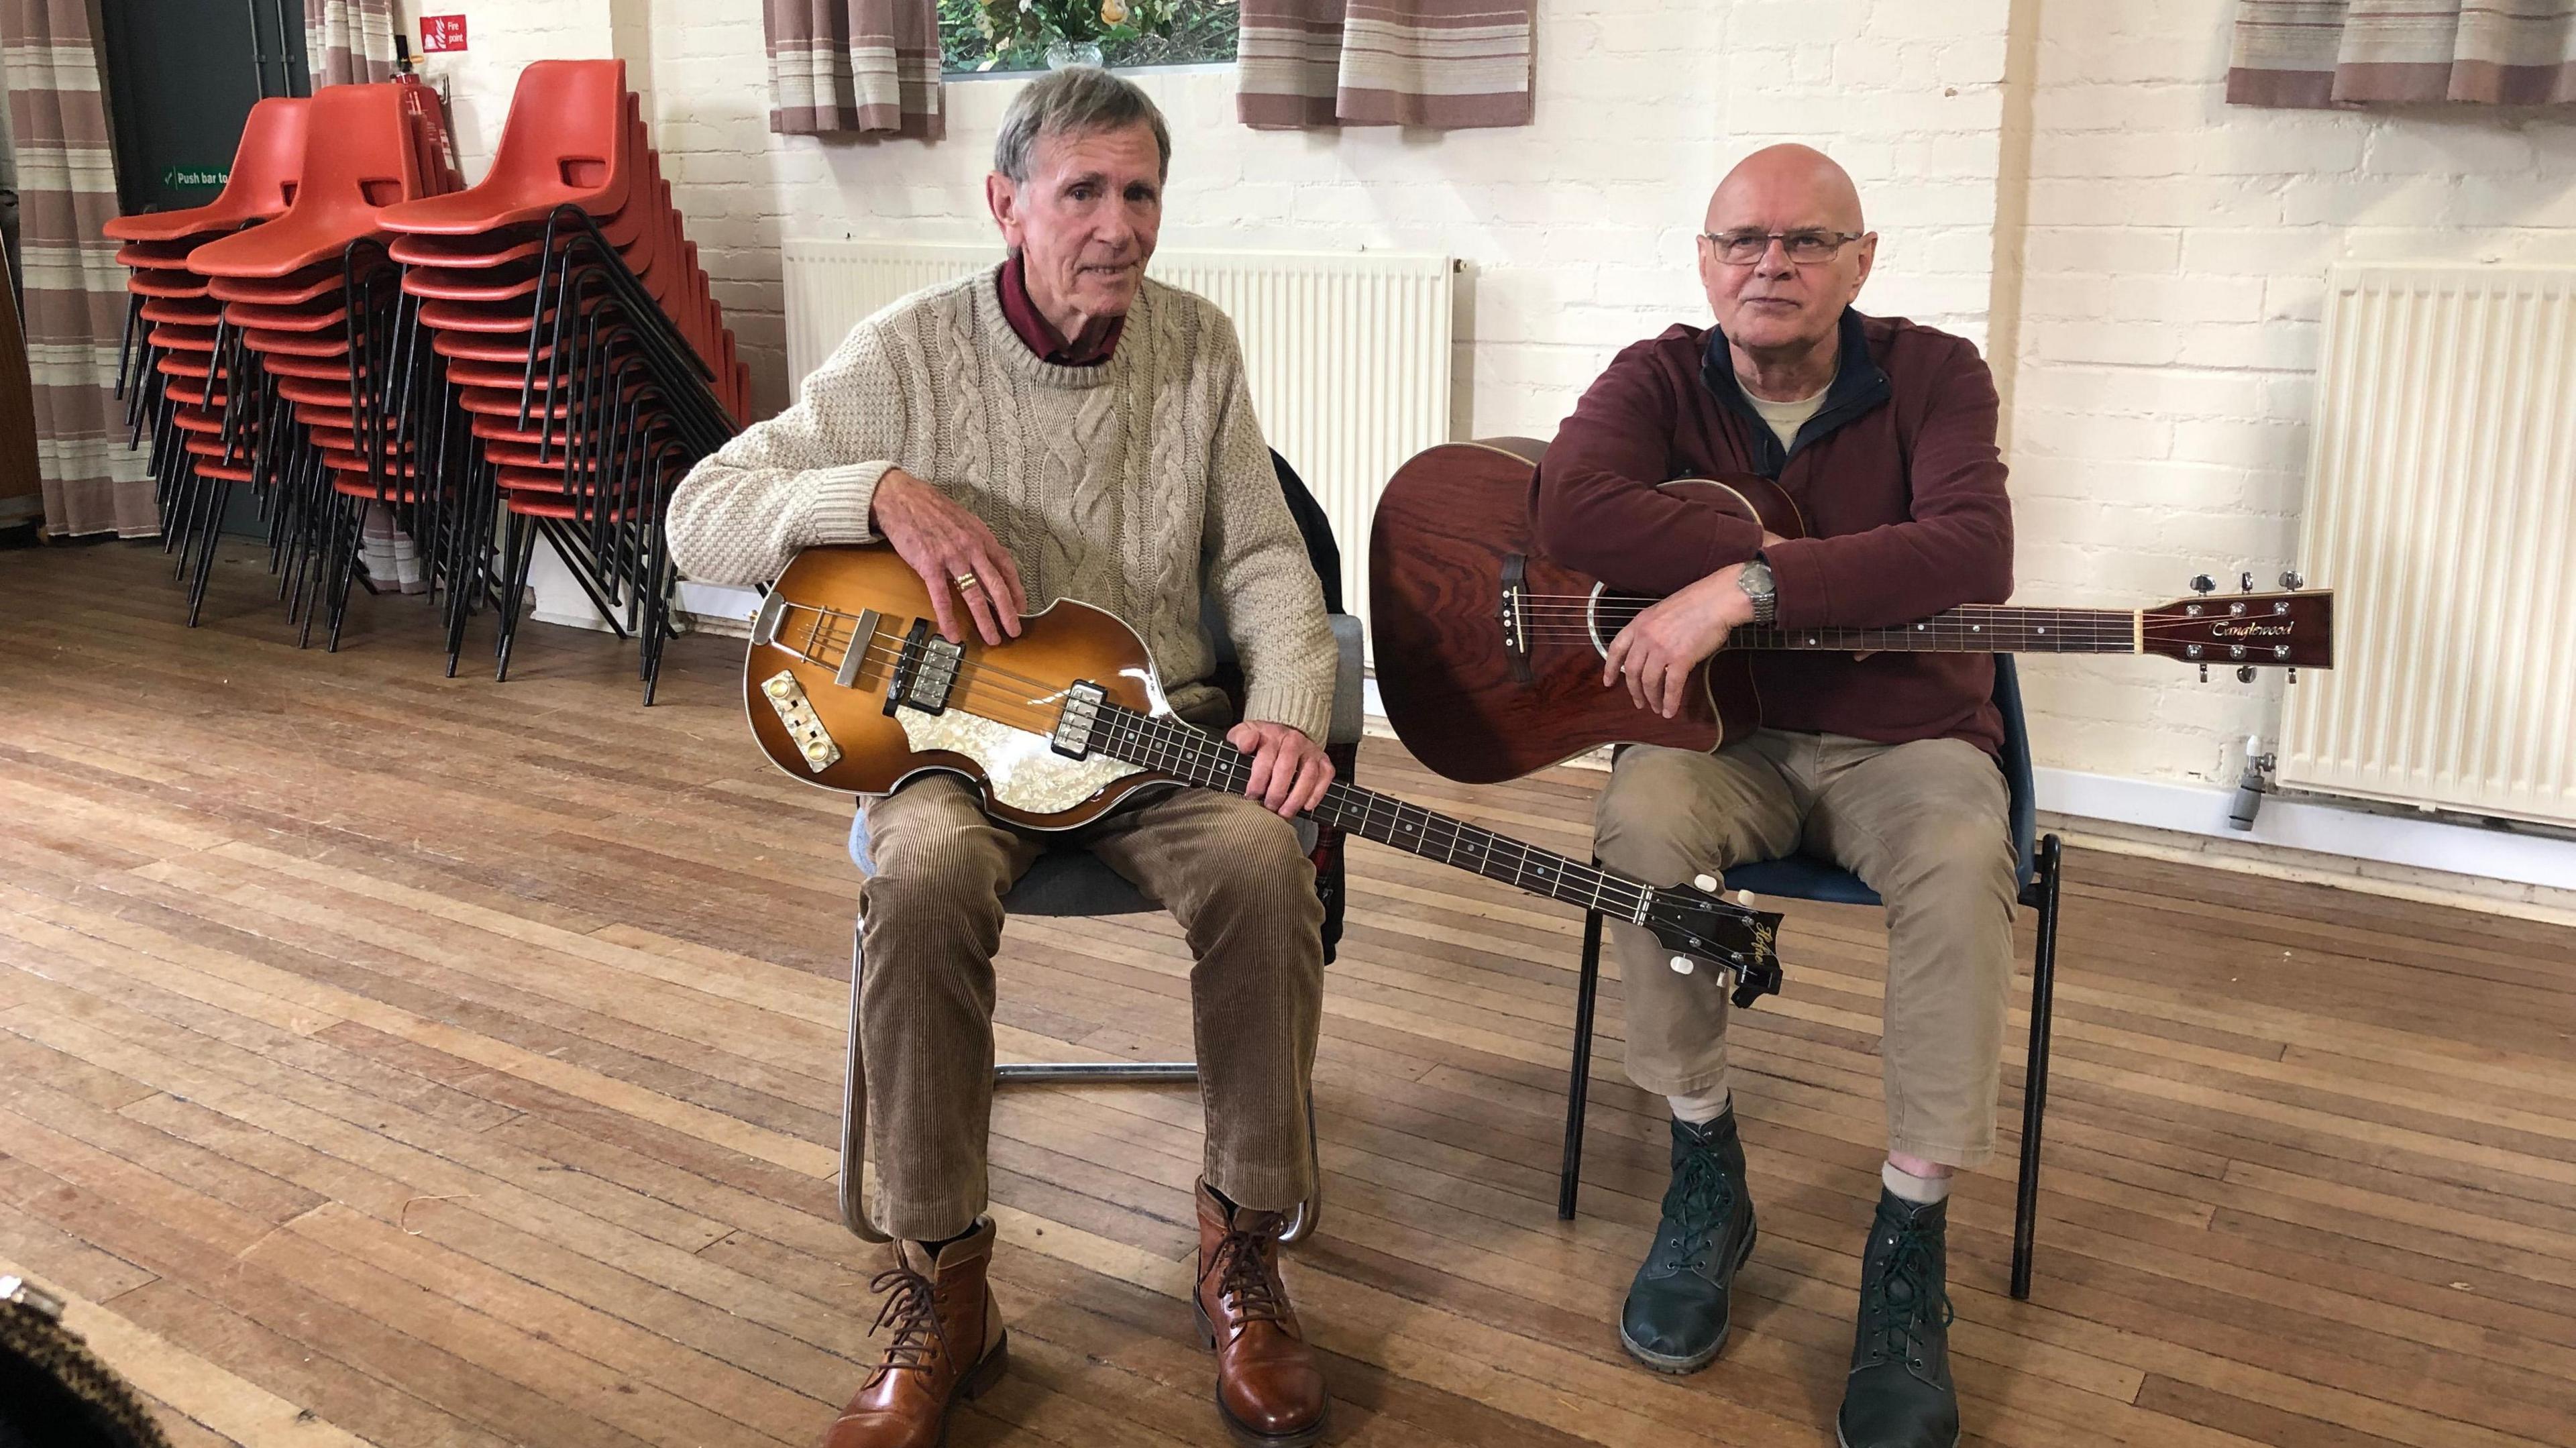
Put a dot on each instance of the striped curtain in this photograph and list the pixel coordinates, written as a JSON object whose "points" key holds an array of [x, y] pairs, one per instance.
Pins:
{"points": [[349, 42], [2358, 52], [75, 291], [1449, 64], [869, 66]]}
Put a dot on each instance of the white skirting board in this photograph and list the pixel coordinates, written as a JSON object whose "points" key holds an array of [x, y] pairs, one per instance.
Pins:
{"points": [[2188, 810]]}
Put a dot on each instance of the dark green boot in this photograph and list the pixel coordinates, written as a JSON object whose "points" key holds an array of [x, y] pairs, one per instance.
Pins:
{"points": [[1676, 1318], [1899, 1393]]}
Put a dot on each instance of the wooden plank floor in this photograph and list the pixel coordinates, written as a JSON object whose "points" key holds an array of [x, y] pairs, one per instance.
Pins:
{"points": [[393, 1059]]}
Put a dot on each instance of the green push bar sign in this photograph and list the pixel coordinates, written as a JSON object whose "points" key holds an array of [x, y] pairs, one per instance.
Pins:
{"points": [[186, 176]]}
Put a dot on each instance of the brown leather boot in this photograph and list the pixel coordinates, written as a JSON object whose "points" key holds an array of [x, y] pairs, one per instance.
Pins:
{"points": [[1267, 1384], [948, 1344]]}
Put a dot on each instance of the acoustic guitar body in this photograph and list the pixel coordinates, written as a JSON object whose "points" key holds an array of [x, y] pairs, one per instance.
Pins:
{"points": [[1481, 693], [810, 624]]}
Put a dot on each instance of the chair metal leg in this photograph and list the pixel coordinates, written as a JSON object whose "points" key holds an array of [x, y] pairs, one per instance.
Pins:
{"points": [[1578, 1086], [2034, 1092], [1094, 1073]]}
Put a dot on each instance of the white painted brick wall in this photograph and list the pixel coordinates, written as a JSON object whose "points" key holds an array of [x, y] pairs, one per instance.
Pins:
{"points": [[2170, 272], [2172, 276]]}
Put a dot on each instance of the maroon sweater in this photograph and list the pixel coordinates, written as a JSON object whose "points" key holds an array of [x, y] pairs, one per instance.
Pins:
{"points": [[1896, 475]]}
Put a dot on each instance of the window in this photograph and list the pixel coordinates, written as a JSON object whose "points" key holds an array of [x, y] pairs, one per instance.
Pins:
{"points": [[1201, 31]]}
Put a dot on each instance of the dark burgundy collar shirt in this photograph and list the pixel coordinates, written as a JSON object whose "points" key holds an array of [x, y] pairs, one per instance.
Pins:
{"points": [[1896, 476], [1037, 332]]}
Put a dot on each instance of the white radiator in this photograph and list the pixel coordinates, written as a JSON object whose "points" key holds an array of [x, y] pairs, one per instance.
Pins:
{"points": [[1347, 356], [2442, 508]]}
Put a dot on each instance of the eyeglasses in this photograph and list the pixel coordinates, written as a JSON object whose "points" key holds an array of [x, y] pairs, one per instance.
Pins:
{"points": [[1744, 248]]}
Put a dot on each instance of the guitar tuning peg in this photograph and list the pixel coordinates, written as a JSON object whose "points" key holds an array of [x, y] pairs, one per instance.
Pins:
{"points": [[1682, 965], [2245, 581], [1704, 883], [2204, 673], [2203, 583], [2294, 674], [2245, 673], [2291, 580], [1744, 898]]}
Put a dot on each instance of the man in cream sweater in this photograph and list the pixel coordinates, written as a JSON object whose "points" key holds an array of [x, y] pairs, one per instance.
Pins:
{"points": [[1061, 427]]}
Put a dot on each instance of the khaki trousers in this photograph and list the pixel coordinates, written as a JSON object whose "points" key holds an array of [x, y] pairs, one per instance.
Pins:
{"points": [[1925, 824], [931, 918]]}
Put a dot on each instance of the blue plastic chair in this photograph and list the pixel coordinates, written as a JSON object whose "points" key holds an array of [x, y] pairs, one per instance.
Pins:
{"points": [[1074, 882], [1804, 877]]}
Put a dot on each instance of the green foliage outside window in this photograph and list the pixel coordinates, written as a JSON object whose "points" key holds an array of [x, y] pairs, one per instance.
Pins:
{"points": [[1013, 34]]}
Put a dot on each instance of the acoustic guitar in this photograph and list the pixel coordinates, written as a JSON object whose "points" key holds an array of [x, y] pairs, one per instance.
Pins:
{"points": [[1489, 653], [850, 687]]}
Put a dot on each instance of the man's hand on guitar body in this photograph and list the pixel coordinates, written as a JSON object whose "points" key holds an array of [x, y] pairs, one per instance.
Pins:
{"points": [[1289, 770], [1657, 650], [958, 558]]}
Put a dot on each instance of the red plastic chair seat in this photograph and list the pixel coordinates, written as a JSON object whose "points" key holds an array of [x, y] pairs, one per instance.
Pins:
{"points": [[491, 319], [231, 472], [266, 318], [166, 284], [286, 364], [297, 344], [184, 312], [566, 143], [286, 291], [499, 284], [359, 160], [160, 255], [265, 170]]}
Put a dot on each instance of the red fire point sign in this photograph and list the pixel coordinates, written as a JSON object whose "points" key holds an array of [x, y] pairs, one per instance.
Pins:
{"points": [[442, 32]]}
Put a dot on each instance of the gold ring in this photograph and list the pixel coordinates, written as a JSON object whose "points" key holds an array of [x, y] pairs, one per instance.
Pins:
{"points": [[968, 580]]}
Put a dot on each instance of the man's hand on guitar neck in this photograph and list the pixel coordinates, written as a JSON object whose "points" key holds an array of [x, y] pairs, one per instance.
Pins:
{"points": [[958, 558], [1289, 770], [1657, 650]]}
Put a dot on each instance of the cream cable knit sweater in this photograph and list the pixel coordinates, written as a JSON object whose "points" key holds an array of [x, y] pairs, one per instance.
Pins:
{"points": [[1133, 485]]}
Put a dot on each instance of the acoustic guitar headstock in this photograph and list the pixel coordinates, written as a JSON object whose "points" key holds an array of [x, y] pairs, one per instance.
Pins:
{"points": [[2291, 629]]}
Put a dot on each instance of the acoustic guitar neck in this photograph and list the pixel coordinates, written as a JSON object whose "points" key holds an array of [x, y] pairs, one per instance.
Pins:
{"points": [[1972, 629]]}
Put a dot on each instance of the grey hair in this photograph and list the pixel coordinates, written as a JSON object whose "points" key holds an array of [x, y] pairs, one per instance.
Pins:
{"points": [[1079, 100]]}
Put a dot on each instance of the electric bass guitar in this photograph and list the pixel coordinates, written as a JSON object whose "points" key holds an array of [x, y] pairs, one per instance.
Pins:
{"points": [[849, 686], [1489, 653]]}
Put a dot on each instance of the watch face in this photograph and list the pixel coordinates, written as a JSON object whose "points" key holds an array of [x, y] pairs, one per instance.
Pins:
{"points": [[1756, 577]]}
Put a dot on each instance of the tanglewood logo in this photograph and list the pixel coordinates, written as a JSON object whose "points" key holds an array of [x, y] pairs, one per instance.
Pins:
{"points": [[2225, 630]]}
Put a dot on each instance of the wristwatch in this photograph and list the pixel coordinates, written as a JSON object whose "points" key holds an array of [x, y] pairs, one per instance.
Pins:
{"points": [[1755, 580]]}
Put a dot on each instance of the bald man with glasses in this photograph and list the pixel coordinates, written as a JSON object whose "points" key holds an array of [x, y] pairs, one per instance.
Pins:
{"points": [[1883, 433]]}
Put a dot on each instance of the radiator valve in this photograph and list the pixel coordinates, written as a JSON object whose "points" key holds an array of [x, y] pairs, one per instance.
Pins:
{"points": [[2252, 785]]}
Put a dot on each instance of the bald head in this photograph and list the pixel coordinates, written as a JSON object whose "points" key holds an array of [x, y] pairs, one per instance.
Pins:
{"points": [[1781, 313], [1786, 188]]}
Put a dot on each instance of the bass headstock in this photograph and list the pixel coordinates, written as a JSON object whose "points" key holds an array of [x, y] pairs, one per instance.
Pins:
{"points": [[2292, 629], [1703, 927]]}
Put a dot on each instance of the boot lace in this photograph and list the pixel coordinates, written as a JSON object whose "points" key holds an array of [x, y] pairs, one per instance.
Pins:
{"points": [[1699, 1204], [912, 1310], [1244, 1276], [1900, 1307]]}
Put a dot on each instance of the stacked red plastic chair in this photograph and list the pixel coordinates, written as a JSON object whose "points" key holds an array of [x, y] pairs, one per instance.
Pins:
{"points": [[168, 371], [557, 311], [310, 299]]}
